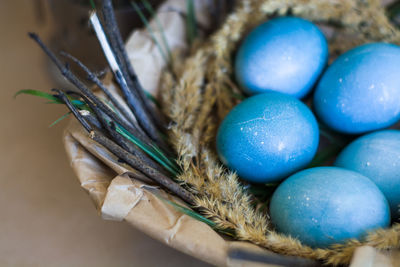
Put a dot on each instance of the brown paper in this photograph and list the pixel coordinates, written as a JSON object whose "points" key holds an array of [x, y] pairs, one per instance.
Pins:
{"points": [[119, 197], [121, 193]]}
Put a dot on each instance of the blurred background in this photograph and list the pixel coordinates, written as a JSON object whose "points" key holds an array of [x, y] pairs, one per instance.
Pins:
{"points": [[46, 218]]}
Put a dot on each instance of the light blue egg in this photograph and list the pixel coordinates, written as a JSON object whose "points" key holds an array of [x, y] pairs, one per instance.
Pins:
{"points": [[377, 156], [267, 137], [327, 205], [360, 91], [285, 54]]}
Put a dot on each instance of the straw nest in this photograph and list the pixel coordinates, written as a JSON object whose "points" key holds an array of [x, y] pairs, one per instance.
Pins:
{"points": [[204, 92]]}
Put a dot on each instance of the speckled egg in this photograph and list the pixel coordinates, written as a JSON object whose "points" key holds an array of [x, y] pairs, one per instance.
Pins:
{"points": [[360, 91], [377, 156], [267, 137], [327, 205], [285, 54]]}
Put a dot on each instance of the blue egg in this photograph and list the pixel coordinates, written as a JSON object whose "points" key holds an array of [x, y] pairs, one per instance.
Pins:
{"points": [[285, 54], [377, 156], [267, 137], [327, 205], [360, 91]]}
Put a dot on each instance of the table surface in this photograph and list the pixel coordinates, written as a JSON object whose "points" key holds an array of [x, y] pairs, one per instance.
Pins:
{"points": [[46, 218]]}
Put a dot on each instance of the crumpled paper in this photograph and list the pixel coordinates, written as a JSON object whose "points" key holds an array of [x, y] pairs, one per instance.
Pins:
{"points": [[120, 192]]}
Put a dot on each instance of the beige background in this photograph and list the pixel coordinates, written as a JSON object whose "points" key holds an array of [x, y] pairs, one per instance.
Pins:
{"points": [[46, 219]]}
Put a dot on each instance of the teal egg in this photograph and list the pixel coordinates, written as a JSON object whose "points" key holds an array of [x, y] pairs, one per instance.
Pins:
{"points": [[327, 205], [377, 156], [360, 91], [267, 137], [285, 54]]}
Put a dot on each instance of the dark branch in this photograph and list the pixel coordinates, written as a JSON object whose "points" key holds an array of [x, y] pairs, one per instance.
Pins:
{"points": [[88, 93], [152, 173], [74, 110], [135, 93], [94, 78], [120, 140], [130, 159]]}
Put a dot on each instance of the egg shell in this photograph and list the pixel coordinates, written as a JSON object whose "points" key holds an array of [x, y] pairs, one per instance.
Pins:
{"points": [[327, 205], [267, 137], [360, 91], [285, 54], [377, 156]]}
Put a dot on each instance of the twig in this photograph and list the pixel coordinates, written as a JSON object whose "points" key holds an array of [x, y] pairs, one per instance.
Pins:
{"points": [[91, 119], [130, 159], [117, 132], [138, 102], [93, 78], [74, 110], [149, 8], [128, 146], [191, 28], [86, 91], [150, 172]]}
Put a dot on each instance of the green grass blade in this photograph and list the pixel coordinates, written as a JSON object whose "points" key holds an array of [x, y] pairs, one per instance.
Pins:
{"points": [[59, 119], [152, 98], [150, 30], [112, 107], [197, 216], [115, 110], [148, 150], [92, 4], [53, 100], [171, 163], [79, 104], [191, 25], [153, 14], [38, 93]]}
